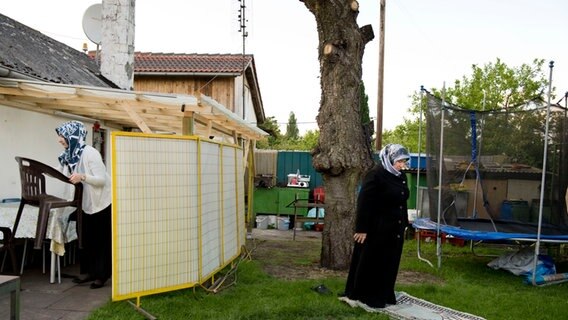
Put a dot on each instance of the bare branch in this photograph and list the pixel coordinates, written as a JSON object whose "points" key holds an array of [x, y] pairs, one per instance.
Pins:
{"points": [[367, 33]]}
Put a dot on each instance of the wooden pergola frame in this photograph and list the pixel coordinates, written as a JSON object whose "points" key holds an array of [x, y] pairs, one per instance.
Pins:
{"points": [[149, 112]]}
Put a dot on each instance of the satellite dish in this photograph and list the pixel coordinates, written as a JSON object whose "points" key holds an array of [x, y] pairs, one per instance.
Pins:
{"points": [[92, 23]]}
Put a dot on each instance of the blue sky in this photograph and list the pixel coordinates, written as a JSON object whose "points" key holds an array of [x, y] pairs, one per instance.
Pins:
{"points": [[427, 42]]}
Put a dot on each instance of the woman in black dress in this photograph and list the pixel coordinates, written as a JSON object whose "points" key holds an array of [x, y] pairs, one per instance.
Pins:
{"points": [[379, 231]]}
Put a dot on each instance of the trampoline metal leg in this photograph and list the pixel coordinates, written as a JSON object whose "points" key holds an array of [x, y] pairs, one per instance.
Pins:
{"points": [[418, 251]]}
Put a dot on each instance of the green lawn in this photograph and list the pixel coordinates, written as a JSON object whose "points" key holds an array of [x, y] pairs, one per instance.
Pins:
{"points": [[463, 283]]}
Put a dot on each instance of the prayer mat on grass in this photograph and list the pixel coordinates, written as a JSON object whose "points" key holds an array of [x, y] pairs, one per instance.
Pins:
{"points": [[411, 308]]}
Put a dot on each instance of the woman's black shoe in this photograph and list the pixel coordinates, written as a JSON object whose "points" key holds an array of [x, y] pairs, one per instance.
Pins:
{"points": [[83, 280], [97, 284]]}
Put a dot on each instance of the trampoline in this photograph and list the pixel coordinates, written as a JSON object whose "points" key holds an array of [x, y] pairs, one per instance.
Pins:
{"points": [[483, 230], [483, 160]]}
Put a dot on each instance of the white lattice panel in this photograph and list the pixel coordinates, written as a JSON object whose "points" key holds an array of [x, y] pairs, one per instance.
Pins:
{"points": [[175, 211]]}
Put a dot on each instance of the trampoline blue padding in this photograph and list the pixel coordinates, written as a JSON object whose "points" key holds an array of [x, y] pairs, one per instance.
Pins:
{"points": [[484, 230]]}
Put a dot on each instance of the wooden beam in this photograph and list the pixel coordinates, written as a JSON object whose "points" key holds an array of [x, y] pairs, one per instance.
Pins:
{"points": [[136, 118], [37, 91]]}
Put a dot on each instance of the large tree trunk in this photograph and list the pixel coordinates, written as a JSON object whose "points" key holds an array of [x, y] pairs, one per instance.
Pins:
{"points": [[342, 154]]}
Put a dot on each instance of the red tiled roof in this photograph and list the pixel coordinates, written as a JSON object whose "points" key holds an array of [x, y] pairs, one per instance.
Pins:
{"points": [[193, 62]]}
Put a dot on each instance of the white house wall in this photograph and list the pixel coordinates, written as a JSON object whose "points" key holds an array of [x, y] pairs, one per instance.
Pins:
{"points": [[250, 115], [31, 135]]}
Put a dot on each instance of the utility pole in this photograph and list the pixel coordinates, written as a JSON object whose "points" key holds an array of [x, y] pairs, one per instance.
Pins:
{"points": [[379, 131], [242, 29]]}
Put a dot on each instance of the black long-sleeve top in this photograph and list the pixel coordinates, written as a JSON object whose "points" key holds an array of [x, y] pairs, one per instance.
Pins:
{"points": [[381, 204]]}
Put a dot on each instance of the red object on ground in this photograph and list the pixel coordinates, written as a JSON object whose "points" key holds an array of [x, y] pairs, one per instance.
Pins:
{"points": [[319, 195], [428, 235]]}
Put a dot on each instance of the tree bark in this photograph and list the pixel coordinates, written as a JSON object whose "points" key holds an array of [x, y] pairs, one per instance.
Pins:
{"points": [[342, 154]]}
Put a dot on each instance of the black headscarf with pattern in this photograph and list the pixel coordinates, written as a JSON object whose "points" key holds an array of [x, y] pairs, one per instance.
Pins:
{"points": [[75, 134]]}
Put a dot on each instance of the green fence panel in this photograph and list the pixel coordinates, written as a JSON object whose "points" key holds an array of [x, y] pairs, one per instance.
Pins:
{"points": [[289, 162]]}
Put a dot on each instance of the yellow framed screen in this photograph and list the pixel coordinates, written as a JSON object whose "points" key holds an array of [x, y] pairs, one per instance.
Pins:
{"points": [[177, 211]]}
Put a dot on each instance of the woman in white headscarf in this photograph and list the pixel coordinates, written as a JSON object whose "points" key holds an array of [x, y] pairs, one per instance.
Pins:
{"points": [[379, 232], [84, 164]]}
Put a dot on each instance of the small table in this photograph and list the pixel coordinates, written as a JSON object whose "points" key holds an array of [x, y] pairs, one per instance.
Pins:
{"points": [[304, 203], [59, 230], [11, 284]]}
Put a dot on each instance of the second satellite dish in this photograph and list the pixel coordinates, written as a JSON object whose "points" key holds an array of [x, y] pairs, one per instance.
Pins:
{"points": [[92, 23]]}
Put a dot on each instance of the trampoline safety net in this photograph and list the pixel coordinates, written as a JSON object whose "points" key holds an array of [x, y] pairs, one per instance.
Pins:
{"points": [[492, 163]]}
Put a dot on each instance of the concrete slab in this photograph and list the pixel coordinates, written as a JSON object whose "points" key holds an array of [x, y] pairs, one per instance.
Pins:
{"points": [[41, 300]]}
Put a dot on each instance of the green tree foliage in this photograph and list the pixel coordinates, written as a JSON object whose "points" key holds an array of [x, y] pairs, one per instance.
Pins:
{"points": [[305, 142], [368, 126], [364, 105], [405, 134], [293, 141], [491, 86], [277, 141], [498, 85], [309, 139], [270, 125], [408, 132], [292, 132]]}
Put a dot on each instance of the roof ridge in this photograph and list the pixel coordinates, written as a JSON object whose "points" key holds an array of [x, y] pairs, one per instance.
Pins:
{"points": [[189, 54]]}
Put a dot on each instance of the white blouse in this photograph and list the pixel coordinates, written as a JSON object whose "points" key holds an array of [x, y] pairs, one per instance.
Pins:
{"points": [[97, 184]]}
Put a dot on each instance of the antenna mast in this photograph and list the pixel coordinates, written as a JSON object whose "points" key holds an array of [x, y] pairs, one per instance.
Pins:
{"points": [[242, 29]]}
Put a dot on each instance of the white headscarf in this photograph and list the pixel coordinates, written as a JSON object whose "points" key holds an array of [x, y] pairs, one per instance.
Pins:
{"points": [[392, 153]]}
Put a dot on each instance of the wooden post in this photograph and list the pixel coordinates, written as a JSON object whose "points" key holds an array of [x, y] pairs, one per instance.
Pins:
{"points": [[249, 159], [379, 133], [187, 125]]}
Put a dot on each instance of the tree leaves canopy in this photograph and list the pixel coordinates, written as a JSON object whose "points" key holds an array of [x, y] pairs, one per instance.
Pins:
{"points": [[292, 132], [491, 86]]}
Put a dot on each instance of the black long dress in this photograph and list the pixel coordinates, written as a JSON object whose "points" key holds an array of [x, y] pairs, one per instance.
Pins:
{"points": [[382, 215]]}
